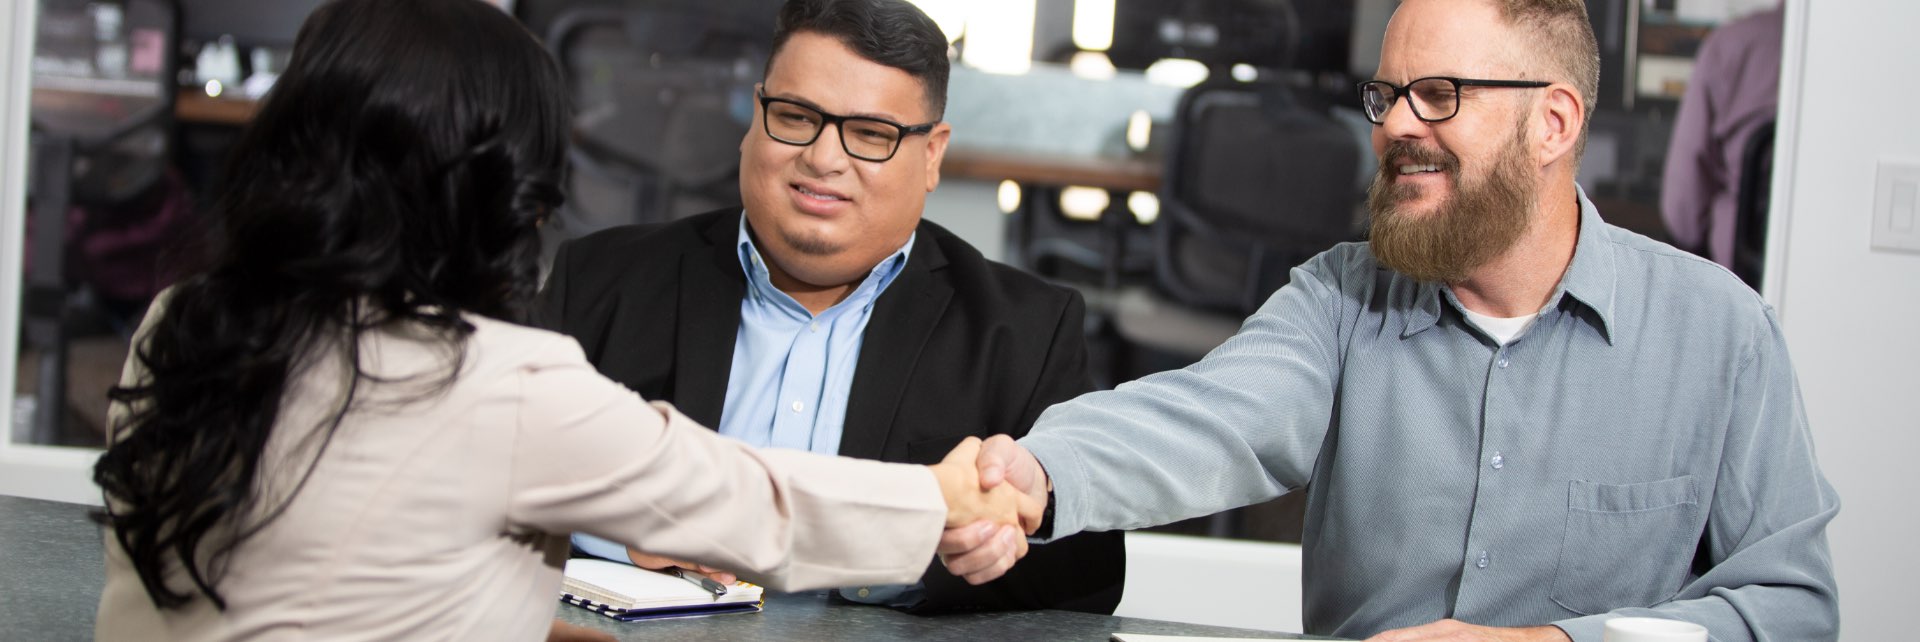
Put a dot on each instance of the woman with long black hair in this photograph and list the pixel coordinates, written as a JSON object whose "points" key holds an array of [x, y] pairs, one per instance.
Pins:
{"points": [[336, 429]]}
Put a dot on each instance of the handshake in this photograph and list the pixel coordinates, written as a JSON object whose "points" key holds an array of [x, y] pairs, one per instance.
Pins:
{"points": [[996, 494]]}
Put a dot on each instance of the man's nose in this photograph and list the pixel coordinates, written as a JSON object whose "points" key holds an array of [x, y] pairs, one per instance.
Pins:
{"points": [[1400, 122], [827, 154]]}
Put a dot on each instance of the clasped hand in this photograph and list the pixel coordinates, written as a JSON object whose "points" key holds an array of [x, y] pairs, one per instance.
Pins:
{"points": [[981, 549], [971, 503]]}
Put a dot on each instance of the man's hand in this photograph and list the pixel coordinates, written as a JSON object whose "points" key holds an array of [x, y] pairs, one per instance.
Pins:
{"points": [[1004, 460], [659, 563], [979, 552], [1457, 631]]}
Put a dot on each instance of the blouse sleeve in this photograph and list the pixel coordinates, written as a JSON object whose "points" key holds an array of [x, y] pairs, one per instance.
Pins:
{"points": [[592, 457]]}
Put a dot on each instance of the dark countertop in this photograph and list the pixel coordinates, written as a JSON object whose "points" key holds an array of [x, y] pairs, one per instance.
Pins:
{"points": [[50, 579], [809, 616], [50, 570]]}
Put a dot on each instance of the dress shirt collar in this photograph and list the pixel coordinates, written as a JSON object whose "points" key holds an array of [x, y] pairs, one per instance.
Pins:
{"points": [[1590, 279], [760, 282]]}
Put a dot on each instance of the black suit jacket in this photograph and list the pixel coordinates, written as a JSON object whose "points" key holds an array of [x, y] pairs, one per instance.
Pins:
{"points": [[958, 346]]}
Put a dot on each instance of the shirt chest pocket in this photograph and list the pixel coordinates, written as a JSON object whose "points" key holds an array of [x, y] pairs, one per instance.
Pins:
{"points": [[1626, 545]]}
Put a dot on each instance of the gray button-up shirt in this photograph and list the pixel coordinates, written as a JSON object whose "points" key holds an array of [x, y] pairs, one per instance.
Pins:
{"points": [[1641, 449]]}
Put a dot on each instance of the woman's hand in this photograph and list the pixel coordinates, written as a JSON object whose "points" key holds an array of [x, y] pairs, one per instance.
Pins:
{"points": [[959, 478]]}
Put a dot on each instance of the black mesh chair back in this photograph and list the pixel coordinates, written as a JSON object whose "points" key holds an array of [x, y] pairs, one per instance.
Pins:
{"points": [[1751, 204], [1256, 182], [662, 93]]}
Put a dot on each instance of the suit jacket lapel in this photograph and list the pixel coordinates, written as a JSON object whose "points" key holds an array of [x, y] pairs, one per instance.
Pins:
{"points": [[903, 319], [711, 286]]}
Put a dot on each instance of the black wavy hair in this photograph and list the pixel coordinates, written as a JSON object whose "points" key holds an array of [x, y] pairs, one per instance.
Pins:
{"points": [[894, 33], [397, 174]]}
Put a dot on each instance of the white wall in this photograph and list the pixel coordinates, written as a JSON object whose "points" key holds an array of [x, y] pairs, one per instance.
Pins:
{"points": [[1212, 581], [1850, 311]]}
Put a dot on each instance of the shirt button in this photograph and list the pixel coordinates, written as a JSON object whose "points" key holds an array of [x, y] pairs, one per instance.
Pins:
{"points": [[863, 592], [797, 406], [1482, 562], [1498, 461], [1503, 361], [813, 327]]}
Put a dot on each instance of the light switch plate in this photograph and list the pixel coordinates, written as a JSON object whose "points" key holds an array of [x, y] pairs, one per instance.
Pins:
{"points": [[1896, 206]]}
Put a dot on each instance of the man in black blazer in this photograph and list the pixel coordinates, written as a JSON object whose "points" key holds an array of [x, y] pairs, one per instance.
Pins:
{"points": [[944, 343]]}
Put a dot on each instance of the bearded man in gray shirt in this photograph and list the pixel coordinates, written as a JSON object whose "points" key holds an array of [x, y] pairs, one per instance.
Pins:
{"points": [[1512, 420]]}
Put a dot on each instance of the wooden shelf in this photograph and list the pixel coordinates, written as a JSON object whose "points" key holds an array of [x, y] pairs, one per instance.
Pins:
{"points": [[193, 106]]}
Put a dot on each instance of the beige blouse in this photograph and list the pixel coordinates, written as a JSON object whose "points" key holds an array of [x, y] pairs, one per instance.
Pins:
{"points": [[445, 516]]}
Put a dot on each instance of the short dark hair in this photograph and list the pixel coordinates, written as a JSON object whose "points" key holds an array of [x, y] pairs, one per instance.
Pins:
{"points": [[889, 32]]}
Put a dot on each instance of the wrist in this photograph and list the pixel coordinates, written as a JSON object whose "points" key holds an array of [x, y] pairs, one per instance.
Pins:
{"points": [[1548, 633], [949, 481]]}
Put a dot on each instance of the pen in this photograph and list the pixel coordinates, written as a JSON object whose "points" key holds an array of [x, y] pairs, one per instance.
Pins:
{"points": [[704, 582]]}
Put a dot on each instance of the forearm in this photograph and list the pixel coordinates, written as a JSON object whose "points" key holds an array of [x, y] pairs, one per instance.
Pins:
{"points": [[787, 520], [1768, 572], [1742, 614], [1122, 443]]}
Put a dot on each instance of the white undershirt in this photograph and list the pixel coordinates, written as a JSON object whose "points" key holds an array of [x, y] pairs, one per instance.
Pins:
{"points": [[1503, 330]]}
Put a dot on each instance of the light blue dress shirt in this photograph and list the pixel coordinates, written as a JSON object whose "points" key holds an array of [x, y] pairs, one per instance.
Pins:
{"points": [[1640, 450], [792, 371]]}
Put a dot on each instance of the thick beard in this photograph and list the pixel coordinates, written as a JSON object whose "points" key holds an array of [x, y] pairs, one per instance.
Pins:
{"points": [[1475, 225]]}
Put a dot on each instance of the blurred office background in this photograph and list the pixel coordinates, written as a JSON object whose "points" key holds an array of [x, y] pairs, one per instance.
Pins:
{"points": [[1171, 160]]}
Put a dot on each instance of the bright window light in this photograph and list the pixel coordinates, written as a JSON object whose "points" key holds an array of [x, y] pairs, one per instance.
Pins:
{"points": [[1139, 130], [1093, 24], [1145, 206], [1176, 72], [1009, 197], [1091, 65], [951, 15], [999, 36], [1083, 203]]}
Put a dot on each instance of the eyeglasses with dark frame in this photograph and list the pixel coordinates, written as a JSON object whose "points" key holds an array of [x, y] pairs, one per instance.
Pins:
{"points": [[869, 139], [1437, 95]]}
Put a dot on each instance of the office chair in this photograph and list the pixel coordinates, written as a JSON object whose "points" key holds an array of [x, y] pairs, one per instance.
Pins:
{"points": [[102, 122], [1751, 205], [1256, 182], [663, 93]]}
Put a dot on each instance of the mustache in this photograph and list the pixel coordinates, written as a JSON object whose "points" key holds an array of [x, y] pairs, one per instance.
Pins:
{"points": [[1401, 152]]}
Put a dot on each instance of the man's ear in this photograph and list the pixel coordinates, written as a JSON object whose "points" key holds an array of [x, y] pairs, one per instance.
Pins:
{"points": [[1563, 116], [936, 152]]}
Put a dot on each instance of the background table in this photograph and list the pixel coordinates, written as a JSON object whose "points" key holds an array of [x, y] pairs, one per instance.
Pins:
{"points": [[50, 579]]}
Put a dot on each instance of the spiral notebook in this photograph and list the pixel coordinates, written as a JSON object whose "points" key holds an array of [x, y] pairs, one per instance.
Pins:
{"points": [[628, 593]]}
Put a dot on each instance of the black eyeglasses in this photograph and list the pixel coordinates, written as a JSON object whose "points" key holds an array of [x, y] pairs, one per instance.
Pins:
{"points": [[1433, 99], [870, 139]]}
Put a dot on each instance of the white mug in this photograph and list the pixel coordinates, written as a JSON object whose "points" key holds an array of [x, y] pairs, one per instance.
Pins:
{"points": [[1649, 629]]}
